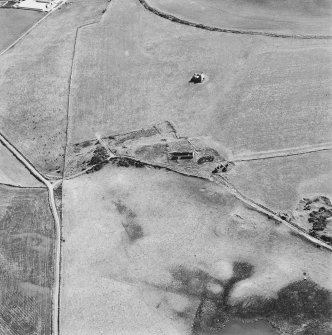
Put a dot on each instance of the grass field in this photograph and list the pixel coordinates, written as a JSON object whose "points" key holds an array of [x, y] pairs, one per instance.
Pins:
{"points": [[34, 81], [26, 262], [282, 100], [13, 172], [281, 182], [133, 68], [146, 244], [288, 16], [13, 23]]}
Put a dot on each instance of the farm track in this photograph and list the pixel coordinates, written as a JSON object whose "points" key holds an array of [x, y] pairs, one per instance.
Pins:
{"points": [[21, 187], [282, 153], [57, 226], [218, 179], [268, 212], [175, 19]]}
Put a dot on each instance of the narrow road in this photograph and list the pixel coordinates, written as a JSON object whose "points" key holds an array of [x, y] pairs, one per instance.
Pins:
{"points": [[282, 152], [262, 209], [219, 179], [50, 187], [173, 18], [102, 143]]}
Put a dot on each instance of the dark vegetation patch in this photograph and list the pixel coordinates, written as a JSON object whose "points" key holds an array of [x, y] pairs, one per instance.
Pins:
{"points": [[96, 167], [213, 310], [58, 198], [299, 303], [130, 224], [127, 162], [84, 144], [304, 300], [205, 159], [100, 155], [318, 212]]}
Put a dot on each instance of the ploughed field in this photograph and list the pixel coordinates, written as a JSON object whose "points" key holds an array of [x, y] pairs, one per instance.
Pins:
{"points": [[152, 252], [294, 17], [26, 261], [13, 23]]}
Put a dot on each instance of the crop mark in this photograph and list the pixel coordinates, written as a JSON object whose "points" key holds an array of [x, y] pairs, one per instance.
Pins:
{"points": [[130, 225]]}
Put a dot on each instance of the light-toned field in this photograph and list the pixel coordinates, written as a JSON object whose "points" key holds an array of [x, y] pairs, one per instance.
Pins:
{"points": [[13, 23], [280, 183], [34, 81], [143, 245], [26, 261], [13, 172], [133, 68], [282, 100], [287, 17]]}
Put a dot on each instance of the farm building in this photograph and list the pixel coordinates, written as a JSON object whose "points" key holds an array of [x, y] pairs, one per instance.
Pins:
{"points": [[38, 5]]}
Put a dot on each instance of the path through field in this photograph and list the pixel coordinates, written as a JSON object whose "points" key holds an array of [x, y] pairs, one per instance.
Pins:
{"points": [[281, 153]]}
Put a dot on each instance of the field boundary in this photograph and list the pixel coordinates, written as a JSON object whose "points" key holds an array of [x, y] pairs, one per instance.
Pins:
{"points": [[70, 82], [55, 184], [12, 45], [260, 155], [176, 19]]}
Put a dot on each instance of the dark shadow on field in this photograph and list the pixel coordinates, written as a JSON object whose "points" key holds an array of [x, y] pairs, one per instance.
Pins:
{"points": [[301, 304], [130, 224]]}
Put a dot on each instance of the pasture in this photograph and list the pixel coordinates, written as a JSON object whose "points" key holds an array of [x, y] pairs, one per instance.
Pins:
{"points": [[26, 259], [132, 69], [281, 182], [148, 245], [285, 17], [34, 82], [13, 23]]}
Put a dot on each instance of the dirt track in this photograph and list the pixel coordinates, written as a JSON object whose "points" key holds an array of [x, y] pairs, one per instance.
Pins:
{"points": [[282, 152]]}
